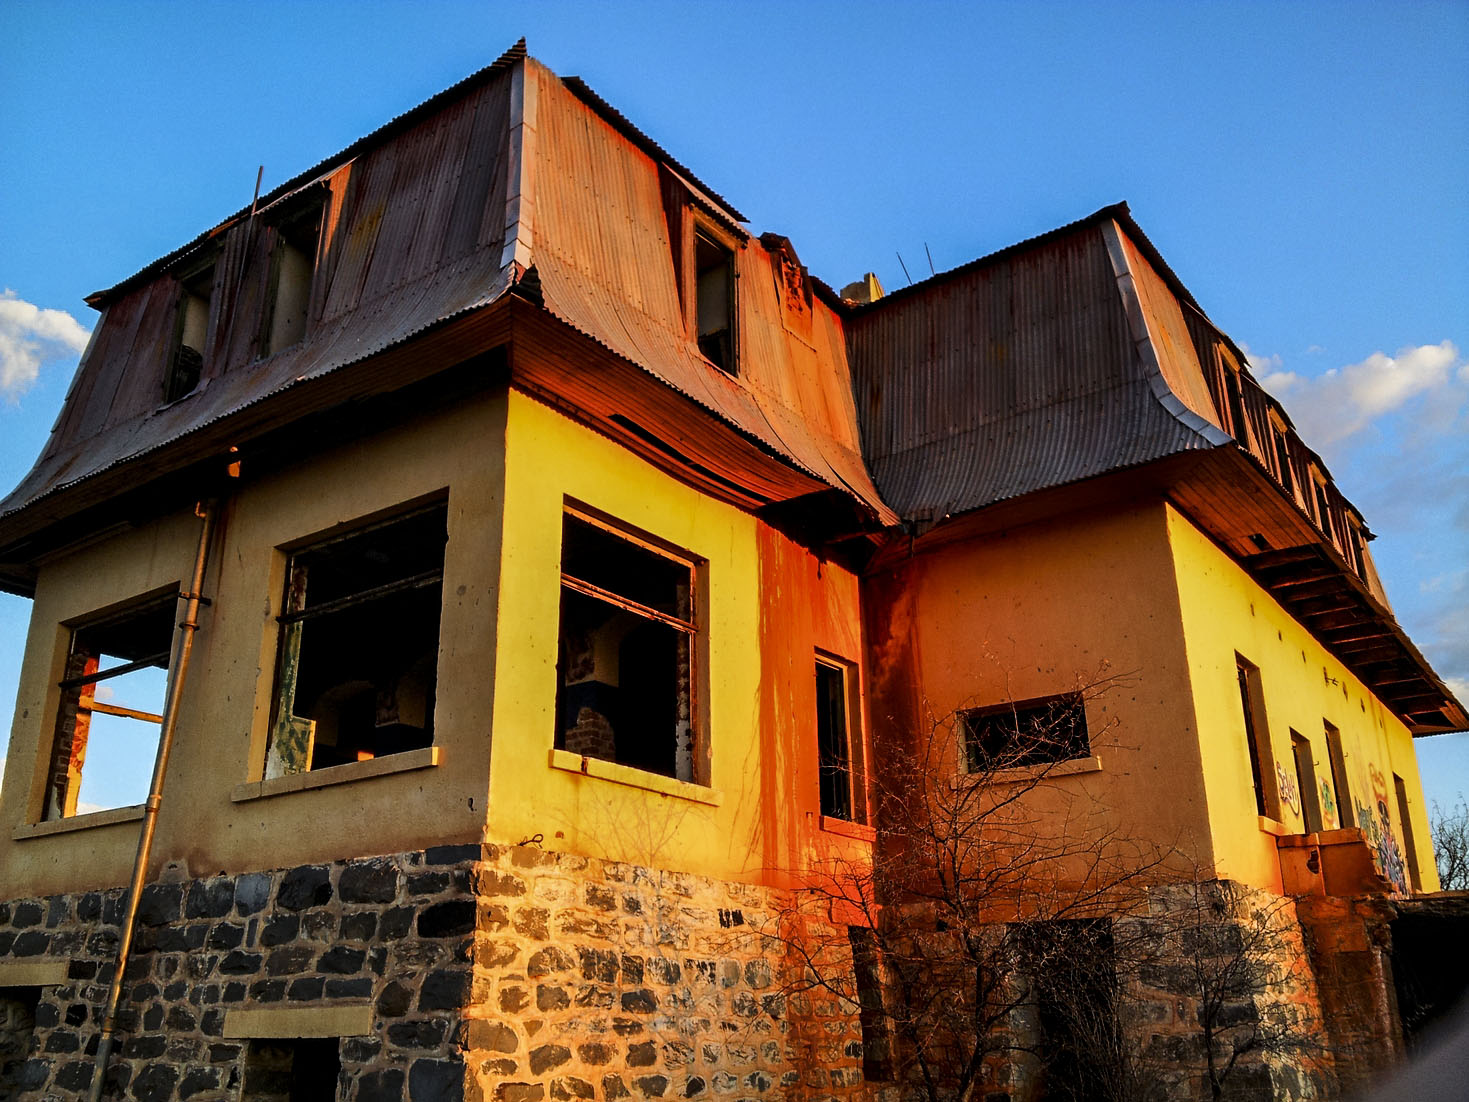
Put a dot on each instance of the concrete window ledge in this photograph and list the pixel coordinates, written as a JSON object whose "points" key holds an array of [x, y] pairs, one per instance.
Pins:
{"points": [[634, 778], [1031, 774], [298, 1021], [1274, 826], [384, 766], [848, 829], [133, 813], [32, 973]]}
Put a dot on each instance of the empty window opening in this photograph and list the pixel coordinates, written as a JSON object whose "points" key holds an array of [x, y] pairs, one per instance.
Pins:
{"points": [[305, 1070], [1257, 739], [839, 744], [1341, 788], [110, 716], [192, 332], [877, 1034], [626, 680], [292, 264], [1030, 732], [1071, 964], [1410, 845], [1306, 781], [1280, 441], [17, 1025], [714, 298], [359, 645]]}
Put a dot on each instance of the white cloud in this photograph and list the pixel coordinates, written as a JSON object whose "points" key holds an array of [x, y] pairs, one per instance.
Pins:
{"points": [[1343, 401], [30, 335]]}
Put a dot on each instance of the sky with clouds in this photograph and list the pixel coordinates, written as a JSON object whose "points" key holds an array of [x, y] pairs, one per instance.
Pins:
{"points": [[1304, 169]]}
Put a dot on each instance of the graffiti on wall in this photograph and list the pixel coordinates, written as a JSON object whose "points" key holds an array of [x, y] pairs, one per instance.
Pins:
{"points": [[1329, 819], [1290, 796]]}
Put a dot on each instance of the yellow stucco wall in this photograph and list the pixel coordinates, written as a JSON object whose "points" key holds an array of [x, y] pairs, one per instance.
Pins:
{"points": [[753, 817], [1224, 614], [208, 822], [1040, 610]]}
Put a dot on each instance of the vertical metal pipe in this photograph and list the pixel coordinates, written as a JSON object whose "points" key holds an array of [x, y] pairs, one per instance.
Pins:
{"points": [[178, 668]]}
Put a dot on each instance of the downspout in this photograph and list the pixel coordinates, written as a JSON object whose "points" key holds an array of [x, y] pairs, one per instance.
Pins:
{"points": [[178, 668]]}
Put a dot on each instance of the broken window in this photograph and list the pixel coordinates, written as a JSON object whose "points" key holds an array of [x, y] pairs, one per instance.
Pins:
{"points": [[1072, 968], [191, 333], [1345, 814], [1030, 732], [292, 264], [110, 716], [359, 645], [1410, 844], [838, 743], [714, 297], [626, 681], [1306, 781], [303, 1070], [1257, 739]]}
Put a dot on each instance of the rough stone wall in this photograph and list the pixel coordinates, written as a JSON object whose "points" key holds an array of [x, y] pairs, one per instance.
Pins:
{"points": [[496, 973], [606, 981], [1246, 946]]}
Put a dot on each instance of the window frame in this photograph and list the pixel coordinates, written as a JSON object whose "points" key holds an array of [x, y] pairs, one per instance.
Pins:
{"points": [[970, 760], [288, 225], [1257, 738], [286, 616], [706, 231], [855, 763], [695, 628], [59, 797]]}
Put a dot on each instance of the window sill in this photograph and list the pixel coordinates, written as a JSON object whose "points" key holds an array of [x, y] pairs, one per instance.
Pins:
{"points": [[384, 766], [131, 814], [1031, 774], [848, 829], [1274, 826], [634, 778]]}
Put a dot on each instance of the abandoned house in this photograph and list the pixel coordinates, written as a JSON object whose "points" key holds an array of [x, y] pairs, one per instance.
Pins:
{"points": [[526, 570]]}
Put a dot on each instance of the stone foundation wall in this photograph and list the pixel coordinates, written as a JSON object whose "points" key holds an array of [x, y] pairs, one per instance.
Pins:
{"points": [[494, 973], [1247, 948]]}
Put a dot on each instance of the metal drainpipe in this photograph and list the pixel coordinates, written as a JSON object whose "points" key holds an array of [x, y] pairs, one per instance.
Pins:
{"points": [[178, 668]]}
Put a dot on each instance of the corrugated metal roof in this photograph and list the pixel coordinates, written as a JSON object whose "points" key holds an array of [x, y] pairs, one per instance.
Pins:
{"points": [[1006, 376]]}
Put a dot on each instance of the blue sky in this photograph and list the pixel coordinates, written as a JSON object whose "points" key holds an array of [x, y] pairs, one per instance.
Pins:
{"points": [[1304, 169]]}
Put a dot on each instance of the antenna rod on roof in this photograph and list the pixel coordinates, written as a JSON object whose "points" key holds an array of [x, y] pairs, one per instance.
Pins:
{"points": [[930, 259], [905, 269], [255, 200]]}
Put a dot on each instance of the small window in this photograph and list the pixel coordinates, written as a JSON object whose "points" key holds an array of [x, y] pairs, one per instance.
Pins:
{"points": [[292, 264], [1257, 739], [359, 644], [1306, 781], [714, 295], [304, 1070], [839, 743], [1341, 788], [626, 666], [1031, 732], [111, 709], [191, 333]]}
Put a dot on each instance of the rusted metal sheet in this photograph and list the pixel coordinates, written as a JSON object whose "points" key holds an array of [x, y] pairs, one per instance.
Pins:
{"points": [[1010, 375], [394, 261], [607, 267]]}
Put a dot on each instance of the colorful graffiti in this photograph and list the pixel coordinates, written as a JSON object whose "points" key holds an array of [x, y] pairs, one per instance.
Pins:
{"points": [[1384, 844], [1329, 820], [1289, 795]]}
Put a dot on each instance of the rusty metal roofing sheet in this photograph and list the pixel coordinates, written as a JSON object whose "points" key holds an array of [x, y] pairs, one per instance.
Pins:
{"points": [[387, 270], [605, 257], [1012, 374]]}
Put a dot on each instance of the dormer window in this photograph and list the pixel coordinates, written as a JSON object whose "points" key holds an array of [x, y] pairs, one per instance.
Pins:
{"points": [[714, 297], [292, 264], [191, 333]]}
